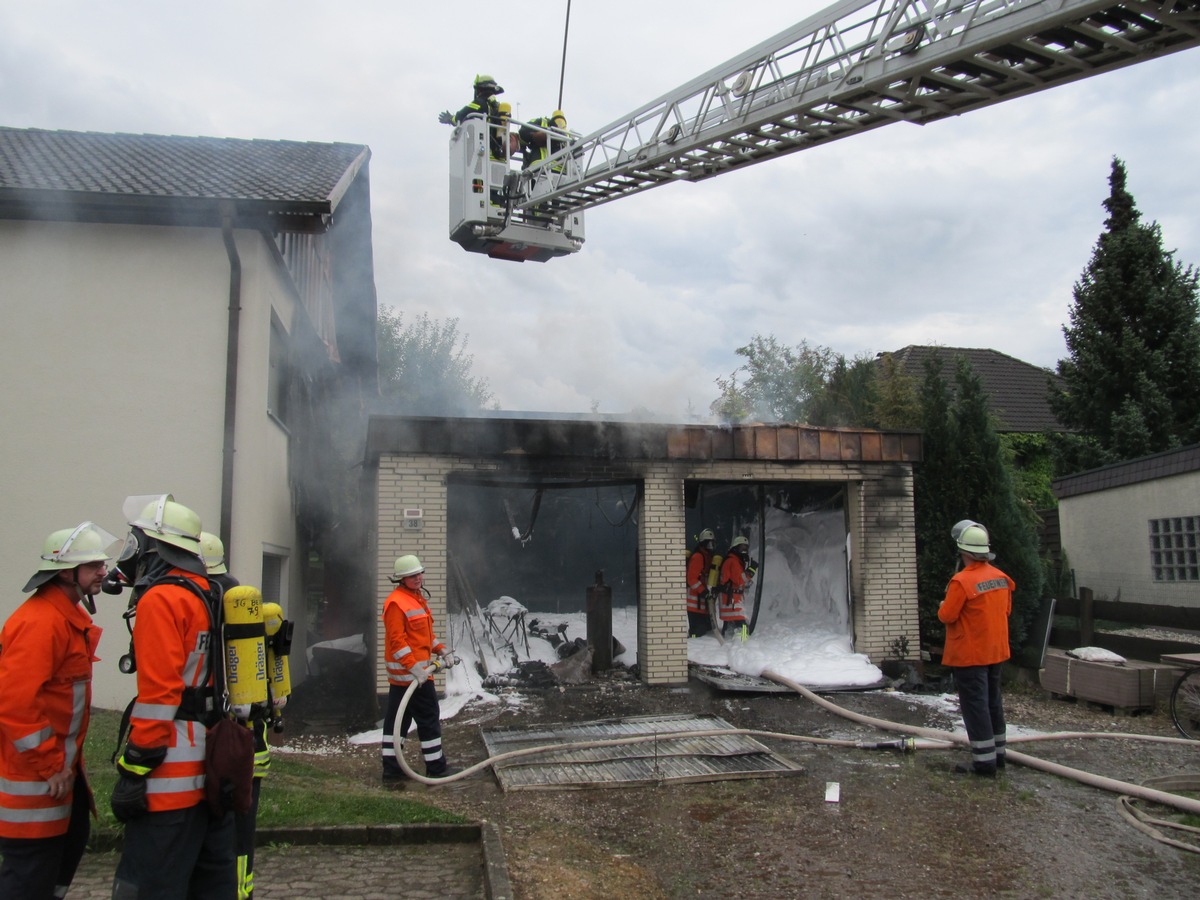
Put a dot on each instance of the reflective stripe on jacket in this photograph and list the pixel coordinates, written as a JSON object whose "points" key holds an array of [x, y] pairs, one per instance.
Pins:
{"points": [[975, 611], [697, 578], [46, 653], [408, 627], [171, 641]]}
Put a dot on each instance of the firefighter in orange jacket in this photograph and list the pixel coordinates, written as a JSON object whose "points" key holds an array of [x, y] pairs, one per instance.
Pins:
{"points": [[411, 651], [737, 571], [47, 649], [975, 611], [698, 566], [174, 846]]}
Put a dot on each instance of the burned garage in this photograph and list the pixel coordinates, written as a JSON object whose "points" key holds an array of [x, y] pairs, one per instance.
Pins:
{"points": [[540, 511]]}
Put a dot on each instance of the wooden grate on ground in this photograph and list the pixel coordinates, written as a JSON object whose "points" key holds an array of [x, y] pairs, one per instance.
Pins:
{"points": [[658, 759]]}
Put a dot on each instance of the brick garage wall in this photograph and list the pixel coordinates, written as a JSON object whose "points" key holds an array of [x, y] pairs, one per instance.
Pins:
{"points": [[886, 601], [662, 545], [880, 511], [411, 482]]}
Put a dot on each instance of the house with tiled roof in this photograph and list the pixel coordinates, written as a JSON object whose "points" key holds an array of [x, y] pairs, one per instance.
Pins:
{"points": [[1017, 391], [184, 314], [1131, 530]]}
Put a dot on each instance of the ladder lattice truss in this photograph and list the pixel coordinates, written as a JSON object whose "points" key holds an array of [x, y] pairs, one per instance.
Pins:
{"points": [[856, 66]]}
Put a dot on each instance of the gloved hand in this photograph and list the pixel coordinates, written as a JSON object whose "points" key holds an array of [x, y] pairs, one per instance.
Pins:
{"points": [[448, 660], [422, 670], [445, 117], [129, 797]]}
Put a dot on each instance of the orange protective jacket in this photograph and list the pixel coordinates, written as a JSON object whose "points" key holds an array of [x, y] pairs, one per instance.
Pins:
{"points": [[172, 645], [733, 583], [698, 566], [46, 653], [408, 629], [975, 611]]}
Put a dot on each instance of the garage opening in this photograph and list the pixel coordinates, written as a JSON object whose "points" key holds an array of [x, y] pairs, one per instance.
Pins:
{"points": [[799, 607], [798, 535], [523, 557]]}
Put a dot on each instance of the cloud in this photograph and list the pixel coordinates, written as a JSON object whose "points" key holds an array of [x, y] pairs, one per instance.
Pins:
{"points": [[969, 231]]}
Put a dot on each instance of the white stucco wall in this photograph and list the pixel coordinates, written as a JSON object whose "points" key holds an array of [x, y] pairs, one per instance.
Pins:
{"points": [[1106, 536], [113, 361]]}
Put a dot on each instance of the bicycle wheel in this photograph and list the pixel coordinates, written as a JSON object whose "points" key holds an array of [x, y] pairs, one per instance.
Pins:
{"points": [[1185, 704]]}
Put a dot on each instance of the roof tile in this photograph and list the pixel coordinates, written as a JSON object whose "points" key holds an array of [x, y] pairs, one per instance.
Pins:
{"points": [[171, 166]]}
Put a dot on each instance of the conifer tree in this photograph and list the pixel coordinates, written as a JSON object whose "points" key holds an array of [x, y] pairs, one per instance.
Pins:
{"points": [[1134, 341], [963, 476]]}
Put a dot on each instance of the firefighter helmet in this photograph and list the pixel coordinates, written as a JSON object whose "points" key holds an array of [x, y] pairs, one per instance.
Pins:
{"points": [[959, 527], [67, 548], [486, 84], [555, 116], [504, 109], [706, 535], [974, 541], [212, 551], [740, 541], [167, 521], [405, 566]]}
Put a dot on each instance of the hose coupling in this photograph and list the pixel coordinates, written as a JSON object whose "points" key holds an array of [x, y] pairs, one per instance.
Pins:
{"points": [[904, 745]]}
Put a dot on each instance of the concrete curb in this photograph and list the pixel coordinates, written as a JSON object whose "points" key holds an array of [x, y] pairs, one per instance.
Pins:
{"points": [[495, 867]]}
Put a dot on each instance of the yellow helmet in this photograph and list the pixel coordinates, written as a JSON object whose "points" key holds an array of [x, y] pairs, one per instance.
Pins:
{"points": [[556, 116], [504, 109], [486, 84]]}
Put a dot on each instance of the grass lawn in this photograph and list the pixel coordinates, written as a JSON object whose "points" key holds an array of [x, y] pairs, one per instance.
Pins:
{"points": [[295, 793]]}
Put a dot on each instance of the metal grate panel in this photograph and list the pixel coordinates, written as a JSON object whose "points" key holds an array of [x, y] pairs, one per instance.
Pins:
{"points": [[697, 755]]}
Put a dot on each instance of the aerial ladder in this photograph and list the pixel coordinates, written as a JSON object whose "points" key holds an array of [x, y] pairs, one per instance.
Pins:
{"points": [[853, 67]]}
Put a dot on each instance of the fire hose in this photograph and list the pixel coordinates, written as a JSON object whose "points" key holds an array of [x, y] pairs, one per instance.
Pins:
{"points": [[933, 739]]}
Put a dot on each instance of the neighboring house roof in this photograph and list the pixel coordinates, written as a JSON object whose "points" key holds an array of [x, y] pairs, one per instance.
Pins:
{"points": [[1016, 390], [1135, 471], [158, 179]]}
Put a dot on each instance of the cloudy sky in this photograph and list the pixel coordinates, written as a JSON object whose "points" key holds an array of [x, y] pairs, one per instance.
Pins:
{"points": [[968, 232]]}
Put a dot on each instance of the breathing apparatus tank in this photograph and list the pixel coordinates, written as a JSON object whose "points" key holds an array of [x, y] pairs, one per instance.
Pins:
{"points": [[245, 650], [714, 571], [279, 645]]}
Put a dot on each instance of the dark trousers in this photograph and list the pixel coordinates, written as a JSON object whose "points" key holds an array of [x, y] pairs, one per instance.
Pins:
{"points": [[423, 708], [246, 826], [181, 854], [42, 868], [982, 710], [699, 624]]}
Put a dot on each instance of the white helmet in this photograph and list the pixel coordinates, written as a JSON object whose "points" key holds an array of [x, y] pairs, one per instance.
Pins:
{"points": [[405, 566], [163, 519], [961, 526], [67, 548], [974, 541], [706, 535], [740, 541], [212, 551]]}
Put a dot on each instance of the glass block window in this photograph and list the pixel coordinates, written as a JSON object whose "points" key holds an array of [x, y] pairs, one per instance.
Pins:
{"points": [[1175, 548]]}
